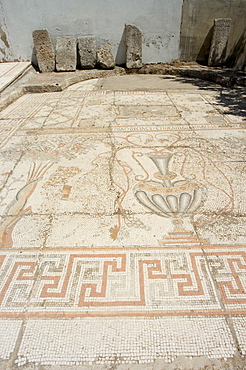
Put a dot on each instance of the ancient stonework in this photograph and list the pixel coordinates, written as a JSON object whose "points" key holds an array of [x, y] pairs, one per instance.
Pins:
{"points": [[44, 50], [87, 51], [66, 53], [122, 225], [133, 46], [105, 57], [219, 42]]}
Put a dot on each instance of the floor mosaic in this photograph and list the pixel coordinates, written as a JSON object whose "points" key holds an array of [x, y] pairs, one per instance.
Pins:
{"points": [[122, 226]]}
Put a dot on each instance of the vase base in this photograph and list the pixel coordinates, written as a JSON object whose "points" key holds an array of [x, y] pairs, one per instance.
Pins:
{"points": [[182, 239]]}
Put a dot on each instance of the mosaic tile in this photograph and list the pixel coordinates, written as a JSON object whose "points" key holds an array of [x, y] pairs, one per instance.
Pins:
{"points": [[103, 113], [225, 228], [174, 279], [21, 237], [9, 128], [99, 98], [230, 103], [149, 124], [29, 105], [218, 184], [9, 330], [151, 111], [196, 108], [109, 231], [239, 324], [20, 186], [107, 341], [65, 146], [142, 98], [17, 278], [228, 268]]}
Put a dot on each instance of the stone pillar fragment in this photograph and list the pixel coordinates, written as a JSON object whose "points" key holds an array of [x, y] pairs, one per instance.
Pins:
{"points": [[133, 46], [87, 51], [66, 53], [44, 50], [219, 41], [105, 57]]}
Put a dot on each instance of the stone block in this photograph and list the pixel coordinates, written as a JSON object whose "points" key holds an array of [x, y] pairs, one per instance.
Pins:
{"points": [[105, 57], [87, 51], [133, 46], [219, 41], [66, 53], [44, 50]]}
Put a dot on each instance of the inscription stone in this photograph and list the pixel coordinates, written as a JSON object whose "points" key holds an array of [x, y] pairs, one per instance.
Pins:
{"points": [[219, 41], [87, 51], [44, 50], [105, 57], [133, 46], [66, 53]]}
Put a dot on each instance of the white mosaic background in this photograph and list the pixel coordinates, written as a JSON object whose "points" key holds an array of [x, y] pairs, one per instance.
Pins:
{"points": [[9, 331], [239, 324], [125, 340]]}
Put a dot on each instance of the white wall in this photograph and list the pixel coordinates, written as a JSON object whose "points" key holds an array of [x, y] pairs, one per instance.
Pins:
{"points": [[159, 21]]}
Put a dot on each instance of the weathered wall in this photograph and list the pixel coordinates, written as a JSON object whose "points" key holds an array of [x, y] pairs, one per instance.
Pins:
{"points": [[5, 47], [196, 29], [159, 21]]}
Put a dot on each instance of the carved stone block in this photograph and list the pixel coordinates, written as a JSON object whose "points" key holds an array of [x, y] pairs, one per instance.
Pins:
{"points": [[66, 53], [87, 51], [105, 57], [133, 46], [44, 50], [219, 42]]}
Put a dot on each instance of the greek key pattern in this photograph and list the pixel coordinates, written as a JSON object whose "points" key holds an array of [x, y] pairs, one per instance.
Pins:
{"points": [[132, 282]]}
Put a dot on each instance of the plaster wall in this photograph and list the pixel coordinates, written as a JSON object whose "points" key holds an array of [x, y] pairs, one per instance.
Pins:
{"points": [[197, 24], [5, 47], [159, 21]]}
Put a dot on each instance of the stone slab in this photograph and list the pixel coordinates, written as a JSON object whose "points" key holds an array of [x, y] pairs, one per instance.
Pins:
{"points": [[44, 50], [87, 51], [66, 54], [133, 46], [105, 57], [219, 42], [11, 71]]}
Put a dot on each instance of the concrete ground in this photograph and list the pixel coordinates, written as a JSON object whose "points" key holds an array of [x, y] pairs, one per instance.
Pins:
{"points": [[122, 226]]}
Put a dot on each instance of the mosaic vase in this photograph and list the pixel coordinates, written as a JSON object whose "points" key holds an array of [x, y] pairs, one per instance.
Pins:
{"points": [[166, 197]]}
